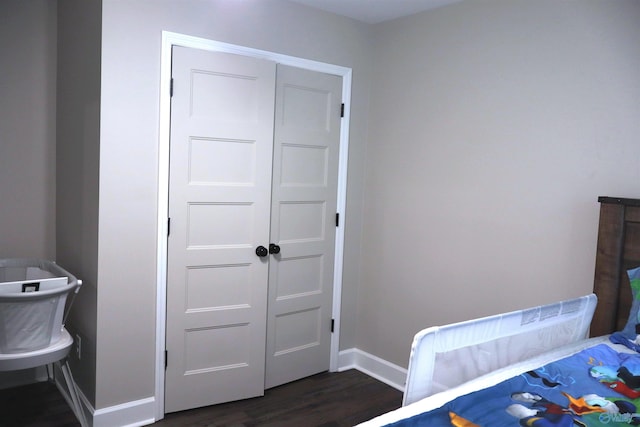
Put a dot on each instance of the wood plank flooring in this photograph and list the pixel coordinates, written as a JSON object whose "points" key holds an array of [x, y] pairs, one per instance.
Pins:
{"points": [[323, 400], [35, 405]]}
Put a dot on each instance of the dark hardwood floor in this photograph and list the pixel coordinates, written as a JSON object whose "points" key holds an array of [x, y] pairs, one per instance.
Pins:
{"points": [[35, 405], [327, 400]]}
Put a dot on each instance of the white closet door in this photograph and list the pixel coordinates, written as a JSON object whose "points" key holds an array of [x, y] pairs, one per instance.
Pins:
{"points": [[305, 173], [219, 203]]}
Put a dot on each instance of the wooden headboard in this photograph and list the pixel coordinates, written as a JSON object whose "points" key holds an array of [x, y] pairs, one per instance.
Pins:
{"points": [[618, 250]]}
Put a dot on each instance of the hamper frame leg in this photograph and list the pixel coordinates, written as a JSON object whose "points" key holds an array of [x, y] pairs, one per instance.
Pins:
{"points": [[73, 392]]}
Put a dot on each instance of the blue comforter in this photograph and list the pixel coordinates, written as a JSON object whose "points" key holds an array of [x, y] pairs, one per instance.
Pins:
{"points": [[595, 387]]}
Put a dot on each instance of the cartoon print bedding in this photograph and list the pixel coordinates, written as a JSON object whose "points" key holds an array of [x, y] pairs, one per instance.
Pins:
{"points": [[594, 387]]}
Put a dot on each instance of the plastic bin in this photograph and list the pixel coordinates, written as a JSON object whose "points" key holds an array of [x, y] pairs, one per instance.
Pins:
{"points": [[33, 295]]}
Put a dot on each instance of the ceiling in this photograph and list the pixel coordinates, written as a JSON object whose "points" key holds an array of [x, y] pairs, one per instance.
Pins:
{"points": [[375, 11]]}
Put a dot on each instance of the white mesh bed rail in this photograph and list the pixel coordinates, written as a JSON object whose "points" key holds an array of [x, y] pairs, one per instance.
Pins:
{"points": [[446, 356]]}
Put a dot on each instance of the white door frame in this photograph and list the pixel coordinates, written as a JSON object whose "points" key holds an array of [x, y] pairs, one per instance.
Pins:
{"points": [[169, 40]]}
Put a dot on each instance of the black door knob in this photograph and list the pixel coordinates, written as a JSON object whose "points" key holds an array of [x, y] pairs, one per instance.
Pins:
{"points": [[261, 251], [274, 249]]}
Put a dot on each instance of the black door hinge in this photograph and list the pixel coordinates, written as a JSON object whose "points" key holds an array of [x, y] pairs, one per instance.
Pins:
{"points": [[168, 226], [341, 108], [166, 358], [171, 87], [337, 219], [333, 324]]}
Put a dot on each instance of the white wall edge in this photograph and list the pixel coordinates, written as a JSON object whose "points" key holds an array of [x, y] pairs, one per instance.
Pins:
{"points": [[380, 369], [341, 207]]}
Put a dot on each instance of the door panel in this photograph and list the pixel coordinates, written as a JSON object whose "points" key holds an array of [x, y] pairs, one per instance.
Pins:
{"points": [[219, 203], [304, 198]]}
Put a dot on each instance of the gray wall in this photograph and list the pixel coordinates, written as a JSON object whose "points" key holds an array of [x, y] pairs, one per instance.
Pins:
{"points": [[494, 127], [131, 42], [27, 128], [77, 157]]}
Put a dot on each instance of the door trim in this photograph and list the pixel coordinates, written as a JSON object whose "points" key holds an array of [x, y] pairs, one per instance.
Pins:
{"points": [[170, 39]]}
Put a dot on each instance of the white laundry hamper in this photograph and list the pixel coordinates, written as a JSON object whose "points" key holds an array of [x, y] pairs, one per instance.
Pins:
{"points": [[33, 295]]}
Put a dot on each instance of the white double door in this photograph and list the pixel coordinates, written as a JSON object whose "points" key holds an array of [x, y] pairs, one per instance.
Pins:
{"points": [[252, 205]]}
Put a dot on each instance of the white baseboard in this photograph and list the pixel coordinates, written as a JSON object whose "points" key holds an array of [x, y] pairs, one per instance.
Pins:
{"points": [[375, 367], [130, 414], [142, 412]]}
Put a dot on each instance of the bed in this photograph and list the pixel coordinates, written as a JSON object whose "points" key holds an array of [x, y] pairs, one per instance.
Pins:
{"points": [[570, 363]]}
